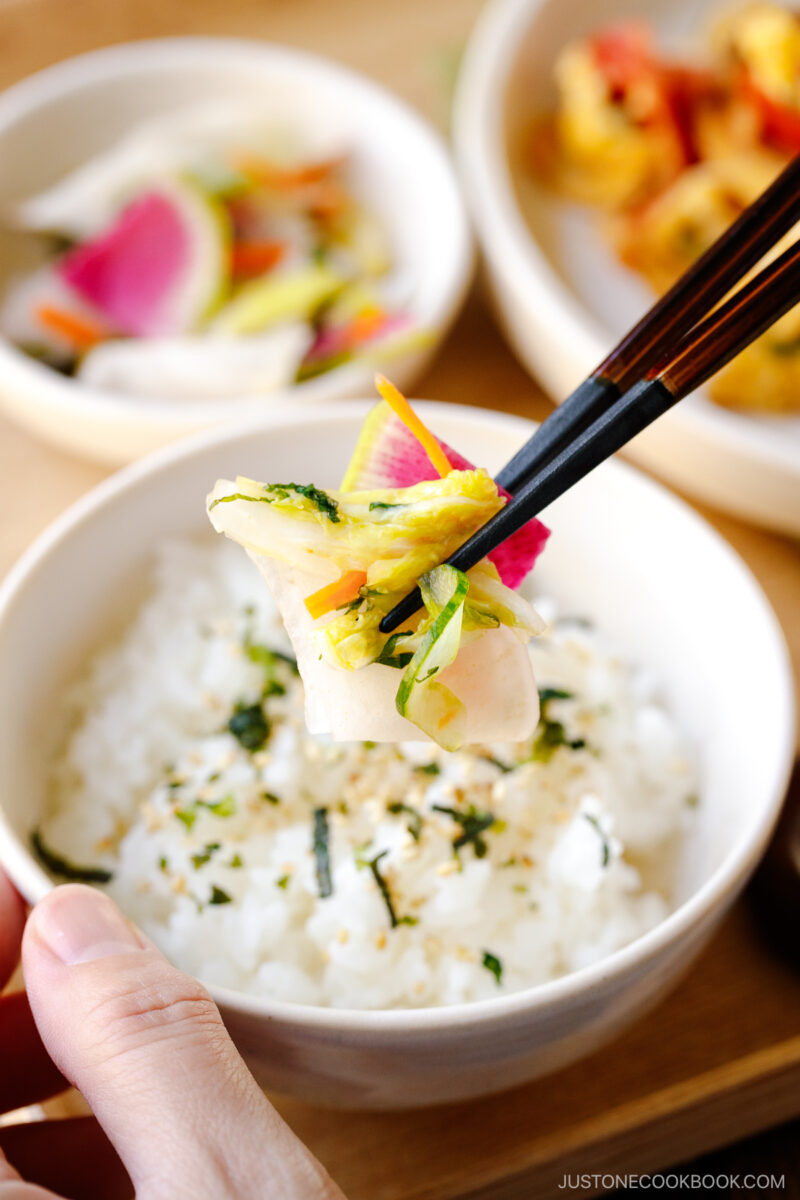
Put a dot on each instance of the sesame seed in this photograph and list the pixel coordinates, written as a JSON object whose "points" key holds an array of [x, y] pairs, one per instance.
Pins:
{"points": [[450, 867]]}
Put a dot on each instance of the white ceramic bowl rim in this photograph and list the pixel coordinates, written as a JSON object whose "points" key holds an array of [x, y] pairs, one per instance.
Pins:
{"points": [[751, 844], [480, 141], [128, 58]]}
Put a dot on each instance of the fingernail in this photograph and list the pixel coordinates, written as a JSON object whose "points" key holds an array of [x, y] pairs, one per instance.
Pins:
{"points": [[79, 924]]}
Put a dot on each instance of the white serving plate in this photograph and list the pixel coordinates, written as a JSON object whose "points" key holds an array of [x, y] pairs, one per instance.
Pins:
{"points": [[658, 581], [56, 119], [562, 297]]}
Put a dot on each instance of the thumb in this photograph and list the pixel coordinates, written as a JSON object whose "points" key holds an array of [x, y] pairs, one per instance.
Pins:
{"points": [[146, 1046]]}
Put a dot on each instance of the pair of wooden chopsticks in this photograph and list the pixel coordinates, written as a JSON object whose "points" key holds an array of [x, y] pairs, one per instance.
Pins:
{"points": [[678, 344]]}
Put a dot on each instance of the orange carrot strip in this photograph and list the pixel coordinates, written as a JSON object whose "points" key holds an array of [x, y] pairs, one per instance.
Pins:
{"points": [[80, 331], [285, 178], [364, 326], [253, 258], [333, 595], [398, 403]]}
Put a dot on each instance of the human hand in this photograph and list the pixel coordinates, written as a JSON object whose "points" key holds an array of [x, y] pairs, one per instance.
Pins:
{"points": [[146, 1046]]}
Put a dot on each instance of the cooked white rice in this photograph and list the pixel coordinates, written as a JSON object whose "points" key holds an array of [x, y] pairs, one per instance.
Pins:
{"points": [[211, 844]]}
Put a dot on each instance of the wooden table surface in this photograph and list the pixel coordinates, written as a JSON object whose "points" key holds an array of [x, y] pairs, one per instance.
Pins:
{"points": [[413, 46]]}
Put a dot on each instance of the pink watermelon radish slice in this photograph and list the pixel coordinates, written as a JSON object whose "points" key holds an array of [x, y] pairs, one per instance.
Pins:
{"points": [[388, 454], [159, 267]]}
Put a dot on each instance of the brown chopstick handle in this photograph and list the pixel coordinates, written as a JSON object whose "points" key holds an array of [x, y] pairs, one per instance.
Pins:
{"points": [[708, 280], [735, 324]]}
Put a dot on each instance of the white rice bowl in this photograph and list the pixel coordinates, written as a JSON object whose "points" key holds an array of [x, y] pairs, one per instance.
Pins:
{"points": [[211, 844]]}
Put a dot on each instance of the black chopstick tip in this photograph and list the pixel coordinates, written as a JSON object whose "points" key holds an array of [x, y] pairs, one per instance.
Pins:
{"points": [[404, 609]]}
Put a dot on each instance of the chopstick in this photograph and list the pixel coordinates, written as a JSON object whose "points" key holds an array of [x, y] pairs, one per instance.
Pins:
{"points": [[705, 283], [707, 348]]}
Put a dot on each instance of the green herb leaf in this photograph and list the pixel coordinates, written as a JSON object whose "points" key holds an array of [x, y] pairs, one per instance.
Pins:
{"points": [[280, 491], [430, 768], [288, 659], [501, 766], [236, 862], [322, 853], [283, 882], [226, 807], [270, 798], [383, 887], [58, 865], [202, 857], [473, 825], [270, 660], [551, 734], [218, 896], [364, 596], [389, 655], [261, 655], [415, 821], [321, 500], [272, 688], [249, 726], [492, 963], [382, 504], [606, 851]]}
